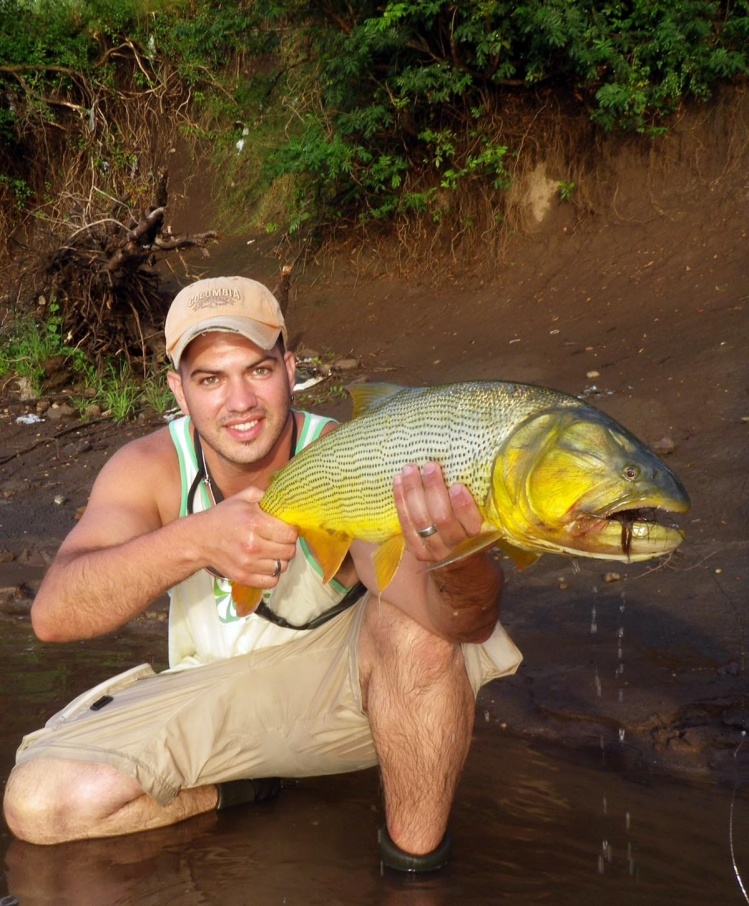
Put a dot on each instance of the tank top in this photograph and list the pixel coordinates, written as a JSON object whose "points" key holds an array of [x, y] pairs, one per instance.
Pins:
{"points": [[203, 623]]}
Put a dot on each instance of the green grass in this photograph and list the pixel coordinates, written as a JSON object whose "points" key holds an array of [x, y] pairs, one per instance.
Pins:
{"points": [[121, 394], [27, 344], [324, 392], [156, 393]]}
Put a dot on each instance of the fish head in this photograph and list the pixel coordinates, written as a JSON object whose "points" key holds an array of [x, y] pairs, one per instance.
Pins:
{"points": [[574, 481]]}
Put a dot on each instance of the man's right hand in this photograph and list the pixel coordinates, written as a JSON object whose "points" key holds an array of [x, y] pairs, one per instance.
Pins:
{"points": [[243, 543]]}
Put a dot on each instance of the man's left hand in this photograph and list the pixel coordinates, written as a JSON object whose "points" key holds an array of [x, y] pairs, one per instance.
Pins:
{"points": [[435, 519]]}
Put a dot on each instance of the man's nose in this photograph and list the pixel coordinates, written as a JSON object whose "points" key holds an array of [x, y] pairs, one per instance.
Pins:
{"points": [[241, 396]]}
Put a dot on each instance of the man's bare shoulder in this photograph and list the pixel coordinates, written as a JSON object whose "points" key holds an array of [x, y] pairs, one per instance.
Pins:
{"points": [[137, 491], [154, 448], [145, 469], [329, 428]]}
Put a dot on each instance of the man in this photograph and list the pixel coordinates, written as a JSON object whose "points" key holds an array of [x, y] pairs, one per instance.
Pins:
{"points": [[316, 681]]}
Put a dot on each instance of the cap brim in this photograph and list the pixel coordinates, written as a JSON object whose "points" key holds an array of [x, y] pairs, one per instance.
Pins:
{"points": [[263, 335]]}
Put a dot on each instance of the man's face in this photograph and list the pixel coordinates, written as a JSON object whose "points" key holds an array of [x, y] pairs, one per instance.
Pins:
{"points": [[238, 394]]}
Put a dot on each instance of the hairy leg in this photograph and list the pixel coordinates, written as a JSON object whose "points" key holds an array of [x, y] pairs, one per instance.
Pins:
{"points": [[49, 801], [421, 709]]}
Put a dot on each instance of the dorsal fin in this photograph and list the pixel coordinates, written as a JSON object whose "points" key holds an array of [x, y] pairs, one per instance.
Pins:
{"points": [[370, 396]]}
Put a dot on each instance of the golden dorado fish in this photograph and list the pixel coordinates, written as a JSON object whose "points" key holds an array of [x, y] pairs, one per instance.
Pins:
{"points": [[549, 473]]}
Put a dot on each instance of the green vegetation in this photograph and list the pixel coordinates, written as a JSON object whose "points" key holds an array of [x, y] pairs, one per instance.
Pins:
{"points": [[156, 393], [28, 344], [114, 390], [320, 394], [26, 352], [320, 115], [403, 108], [121, 393], [336, 113]]}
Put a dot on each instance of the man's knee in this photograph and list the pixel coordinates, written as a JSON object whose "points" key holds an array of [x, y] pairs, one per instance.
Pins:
{"points": [[390, 640], [28, 803], [45, 799]]}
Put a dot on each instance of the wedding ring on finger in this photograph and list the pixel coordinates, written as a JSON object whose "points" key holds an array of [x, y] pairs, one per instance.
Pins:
{"points": [[277, 571], [426, 532]]}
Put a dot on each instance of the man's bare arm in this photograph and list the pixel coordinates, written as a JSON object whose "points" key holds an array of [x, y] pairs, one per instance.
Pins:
{"points": [[127, 549], [89, 591]]}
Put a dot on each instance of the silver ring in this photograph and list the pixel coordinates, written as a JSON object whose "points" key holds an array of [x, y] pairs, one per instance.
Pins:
{"points": [[426, 532], [277, 571]]}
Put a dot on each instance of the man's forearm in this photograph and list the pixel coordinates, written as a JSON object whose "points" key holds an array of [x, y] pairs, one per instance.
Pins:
{"points": [[464, 598], [87, 594]]}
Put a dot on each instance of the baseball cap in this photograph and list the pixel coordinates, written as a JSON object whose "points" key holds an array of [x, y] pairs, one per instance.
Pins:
{"points": [[231, 304]]}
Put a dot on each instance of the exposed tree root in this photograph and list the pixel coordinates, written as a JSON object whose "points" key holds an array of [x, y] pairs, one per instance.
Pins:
{"points": [[105, 281]]}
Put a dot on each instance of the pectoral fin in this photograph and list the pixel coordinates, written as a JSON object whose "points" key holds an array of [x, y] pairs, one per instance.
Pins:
{"points": [[245, 599], [520, 558], [471, 546], [330, 549], [386, 560]]}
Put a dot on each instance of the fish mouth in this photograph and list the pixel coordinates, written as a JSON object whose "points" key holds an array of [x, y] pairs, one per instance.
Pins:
{"points": [[639, 523], [629, 533]]}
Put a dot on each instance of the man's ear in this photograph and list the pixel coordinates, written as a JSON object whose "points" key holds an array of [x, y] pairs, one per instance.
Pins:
{"points": [[174, 379], [290, 362]]}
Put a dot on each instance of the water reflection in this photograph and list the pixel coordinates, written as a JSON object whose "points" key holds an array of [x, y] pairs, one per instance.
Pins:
{"points": [[531, 825]]}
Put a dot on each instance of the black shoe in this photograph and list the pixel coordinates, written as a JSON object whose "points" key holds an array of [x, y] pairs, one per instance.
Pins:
{"points": [[241, 792], [395, 857]]}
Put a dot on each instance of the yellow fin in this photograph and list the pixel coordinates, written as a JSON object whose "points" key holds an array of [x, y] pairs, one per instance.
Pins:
{"points": [[471, 546], [330, 549], [245, 599], [370, 396], [520, 557], [387, 559]]}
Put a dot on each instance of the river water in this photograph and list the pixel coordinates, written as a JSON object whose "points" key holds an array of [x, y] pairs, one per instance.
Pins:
{"points": [[530, 824]]}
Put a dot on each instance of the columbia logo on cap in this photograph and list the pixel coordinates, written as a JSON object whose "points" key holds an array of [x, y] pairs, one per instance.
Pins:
{"points": [[213, 298]]}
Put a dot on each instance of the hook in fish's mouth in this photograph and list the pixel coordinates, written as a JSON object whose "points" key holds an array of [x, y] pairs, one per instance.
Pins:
{"points": [[629, 533], [638, 522]]}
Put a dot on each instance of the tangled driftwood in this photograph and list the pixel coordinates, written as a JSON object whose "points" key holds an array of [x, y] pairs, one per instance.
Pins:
{"points": [[106, 282]]}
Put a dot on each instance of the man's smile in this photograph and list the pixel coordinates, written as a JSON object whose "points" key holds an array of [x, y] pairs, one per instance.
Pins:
{"points": [[243, 426]]}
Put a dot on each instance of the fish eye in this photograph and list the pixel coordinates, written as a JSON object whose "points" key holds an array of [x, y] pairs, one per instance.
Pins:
{"points": [[630, 473]]}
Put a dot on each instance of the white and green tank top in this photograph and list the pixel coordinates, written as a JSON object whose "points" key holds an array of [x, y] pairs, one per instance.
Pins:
{"points": [[203, 623]]}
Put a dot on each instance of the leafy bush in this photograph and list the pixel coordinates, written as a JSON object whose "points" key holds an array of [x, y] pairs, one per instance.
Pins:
{"points": [[320, 114], [403, 98], [361, 112]]}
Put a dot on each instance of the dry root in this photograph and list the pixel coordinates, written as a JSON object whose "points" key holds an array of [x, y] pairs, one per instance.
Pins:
{"points": [[105, 281]]}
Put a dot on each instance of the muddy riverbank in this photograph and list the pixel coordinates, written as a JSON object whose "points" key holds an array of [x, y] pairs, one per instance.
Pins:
{"points": [[642, 309]]}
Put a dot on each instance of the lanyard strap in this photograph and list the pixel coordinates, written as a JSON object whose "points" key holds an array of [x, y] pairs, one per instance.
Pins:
{"points": [[349, 599]]}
